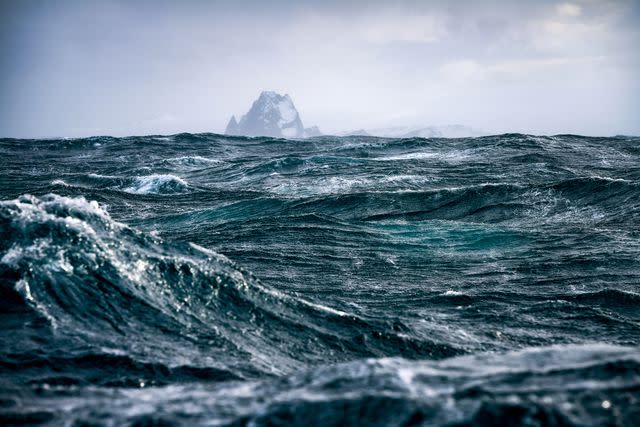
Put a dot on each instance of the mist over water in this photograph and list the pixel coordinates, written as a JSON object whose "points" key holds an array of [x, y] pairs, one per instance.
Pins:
{"points": [[198, 278]]}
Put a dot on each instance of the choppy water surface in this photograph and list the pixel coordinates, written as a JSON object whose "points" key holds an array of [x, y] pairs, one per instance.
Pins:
{"points": [[200, 279]]}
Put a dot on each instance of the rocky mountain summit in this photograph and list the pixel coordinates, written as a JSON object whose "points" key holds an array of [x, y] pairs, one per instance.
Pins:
{"points": [[271, 115], [275, 116]]}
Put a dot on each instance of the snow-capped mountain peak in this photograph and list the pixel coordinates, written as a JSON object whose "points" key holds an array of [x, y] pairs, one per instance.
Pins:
{"points": [[272, 115]]}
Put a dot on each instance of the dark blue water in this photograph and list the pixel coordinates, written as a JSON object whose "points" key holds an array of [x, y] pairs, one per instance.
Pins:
{"points": [[202, 279]]}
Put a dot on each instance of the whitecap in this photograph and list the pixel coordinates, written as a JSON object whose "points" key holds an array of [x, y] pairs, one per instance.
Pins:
{"points": [[192, 161], [452, 156], [412, 156], [157, 184], [101, 176]]}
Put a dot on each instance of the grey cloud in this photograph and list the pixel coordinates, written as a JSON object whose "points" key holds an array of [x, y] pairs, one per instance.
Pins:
{"points": [[124, 67]]}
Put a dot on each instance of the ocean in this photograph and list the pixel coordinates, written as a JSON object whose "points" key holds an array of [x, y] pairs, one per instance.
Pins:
{"points": [[200, 279]]}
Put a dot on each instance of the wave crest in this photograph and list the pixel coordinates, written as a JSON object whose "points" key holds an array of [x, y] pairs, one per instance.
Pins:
{"points": [[97, 281], [157, 184]]}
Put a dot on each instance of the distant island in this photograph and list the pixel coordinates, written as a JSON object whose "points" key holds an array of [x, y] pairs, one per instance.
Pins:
{"points": [[271, 115], [275, 115]]}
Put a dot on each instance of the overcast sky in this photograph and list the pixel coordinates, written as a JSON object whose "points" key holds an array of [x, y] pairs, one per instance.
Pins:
{"points": [[78, 68]]}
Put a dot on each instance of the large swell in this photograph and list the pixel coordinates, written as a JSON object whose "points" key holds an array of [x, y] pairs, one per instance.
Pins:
{"points": [[202, 279]]}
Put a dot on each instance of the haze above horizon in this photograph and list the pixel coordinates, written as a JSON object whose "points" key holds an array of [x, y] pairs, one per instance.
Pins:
{"points": [[76, 68]]}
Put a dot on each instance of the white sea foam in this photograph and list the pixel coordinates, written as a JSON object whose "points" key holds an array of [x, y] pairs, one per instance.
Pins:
{"points": [[192, 161], [412, 156], [345, 185], [100, 176], [448, 156], [157, 184], [606, 178]]}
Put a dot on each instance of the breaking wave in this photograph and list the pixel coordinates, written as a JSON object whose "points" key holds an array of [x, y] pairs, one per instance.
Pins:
{"points": [[157, 184]]}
